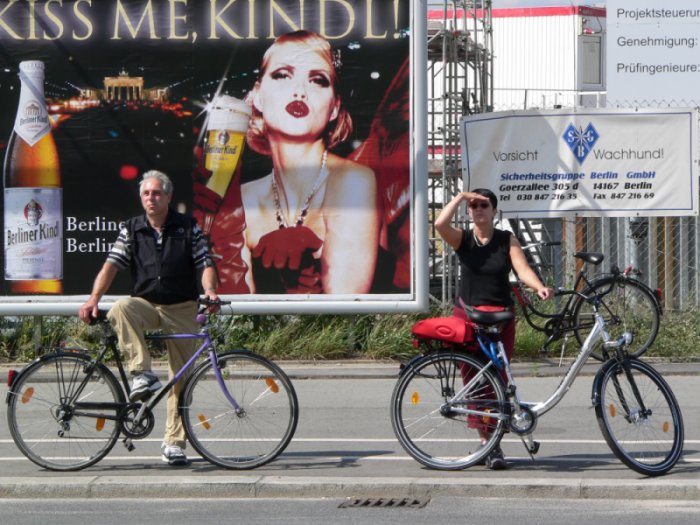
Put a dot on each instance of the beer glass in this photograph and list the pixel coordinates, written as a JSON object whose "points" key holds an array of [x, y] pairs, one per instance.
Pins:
{"points": [[225, 138]]}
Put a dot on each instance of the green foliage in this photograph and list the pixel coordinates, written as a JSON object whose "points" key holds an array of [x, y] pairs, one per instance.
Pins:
{"points": [[24, 338], [678, 336], [319, 337]]}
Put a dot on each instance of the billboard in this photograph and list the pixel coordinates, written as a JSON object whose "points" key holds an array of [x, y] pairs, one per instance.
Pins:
{"points": [[318, 213], [651, 53], [586, 162]]}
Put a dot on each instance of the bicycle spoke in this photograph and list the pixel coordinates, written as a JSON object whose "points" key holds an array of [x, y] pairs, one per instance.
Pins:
{"points": [[253, 435], [640, 418], [42, 416], [437, 420]]}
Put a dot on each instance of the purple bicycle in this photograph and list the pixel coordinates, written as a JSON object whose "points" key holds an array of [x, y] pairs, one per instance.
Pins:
{"points": [[66, 409]]}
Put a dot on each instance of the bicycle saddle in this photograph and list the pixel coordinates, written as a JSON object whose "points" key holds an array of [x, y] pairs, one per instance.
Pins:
{"points": [[488, 318], [591, 257]]}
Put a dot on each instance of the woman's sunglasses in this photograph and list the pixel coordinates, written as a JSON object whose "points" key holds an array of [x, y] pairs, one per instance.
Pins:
{"points": [[482, 205]]}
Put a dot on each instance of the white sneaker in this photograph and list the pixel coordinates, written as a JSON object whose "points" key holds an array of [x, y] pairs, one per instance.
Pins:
{"points": [[143, 386], [173, 455]]}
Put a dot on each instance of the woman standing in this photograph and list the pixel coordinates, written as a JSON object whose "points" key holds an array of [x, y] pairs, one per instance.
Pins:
{"points": [[487, 255], [312, 225]]}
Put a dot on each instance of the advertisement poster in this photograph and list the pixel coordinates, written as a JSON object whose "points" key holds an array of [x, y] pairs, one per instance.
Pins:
{"points": [[652, 53], [592, 163], [231, 99]]}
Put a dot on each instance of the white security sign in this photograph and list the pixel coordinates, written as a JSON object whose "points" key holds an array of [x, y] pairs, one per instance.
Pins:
{"points": [[652, 53], [588, 162]]}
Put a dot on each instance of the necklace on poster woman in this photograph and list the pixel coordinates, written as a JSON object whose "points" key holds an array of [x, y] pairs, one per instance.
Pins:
{"points": [[301, 216]]}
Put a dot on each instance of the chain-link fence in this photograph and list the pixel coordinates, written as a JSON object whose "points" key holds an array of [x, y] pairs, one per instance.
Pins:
{"points": [[661, 251]]}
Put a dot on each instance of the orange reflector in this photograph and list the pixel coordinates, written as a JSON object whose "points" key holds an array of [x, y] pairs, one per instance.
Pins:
{"points": [[415, 398], [28, 393], [272, 384], [666, 426], [100, 424], [612, 411], [205, 422]]}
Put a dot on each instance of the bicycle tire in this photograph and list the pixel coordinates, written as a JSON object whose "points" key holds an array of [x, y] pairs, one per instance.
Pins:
{"points": [[649, 444], [629, 307], [46, 426], [422, 420], [248, 439]]}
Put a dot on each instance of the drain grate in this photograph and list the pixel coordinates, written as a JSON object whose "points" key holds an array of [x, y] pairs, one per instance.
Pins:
{"points": [[406, 503]]}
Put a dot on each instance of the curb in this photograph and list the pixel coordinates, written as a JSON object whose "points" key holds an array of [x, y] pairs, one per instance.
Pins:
{"points": [[324, 487]]}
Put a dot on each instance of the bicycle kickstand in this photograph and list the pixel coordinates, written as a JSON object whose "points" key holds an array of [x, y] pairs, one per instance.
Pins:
{"points": [[531, 445]]}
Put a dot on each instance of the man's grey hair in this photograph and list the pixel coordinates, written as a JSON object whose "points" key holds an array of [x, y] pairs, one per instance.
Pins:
{"points": [[165, 181]]}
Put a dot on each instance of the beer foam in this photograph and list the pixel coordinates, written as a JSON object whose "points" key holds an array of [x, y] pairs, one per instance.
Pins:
{"points": [[229, 113]]}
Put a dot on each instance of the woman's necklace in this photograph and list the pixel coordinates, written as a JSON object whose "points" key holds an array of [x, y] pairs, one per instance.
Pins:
{"points": [[479, 243], [301, 216]]}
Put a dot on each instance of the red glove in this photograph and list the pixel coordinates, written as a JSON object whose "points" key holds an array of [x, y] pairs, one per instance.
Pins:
{"points": [[205, 199], [284, 247], [308, 282], [227, 239]]}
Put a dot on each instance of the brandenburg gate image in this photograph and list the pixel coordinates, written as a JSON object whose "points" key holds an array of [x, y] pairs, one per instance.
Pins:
{"points": [[124, 87]]}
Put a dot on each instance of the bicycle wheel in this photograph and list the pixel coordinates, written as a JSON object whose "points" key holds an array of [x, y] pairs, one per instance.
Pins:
{"points": [[242, 438], [442, 432], [43, 418], [645, 433], [629, 307]]}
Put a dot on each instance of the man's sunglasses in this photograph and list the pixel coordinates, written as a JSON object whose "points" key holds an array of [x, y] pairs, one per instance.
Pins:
{"points": [[482, 205]]}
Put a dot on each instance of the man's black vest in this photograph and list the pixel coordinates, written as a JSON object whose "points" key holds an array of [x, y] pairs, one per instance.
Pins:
{"points": [[168, 275]]}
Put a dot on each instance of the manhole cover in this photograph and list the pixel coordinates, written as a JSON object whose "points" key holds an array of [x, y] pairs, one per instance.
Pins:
{"points": [[406, 503]]}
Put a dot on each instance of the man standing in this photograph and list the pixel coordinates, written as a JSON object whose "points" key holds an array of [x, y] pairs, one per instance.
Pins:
{"points": [[164, 250]]}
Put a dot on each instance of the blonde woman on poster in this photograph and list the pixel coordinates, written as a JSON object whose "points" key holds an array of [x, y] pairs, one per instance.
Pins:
{"points": [[312, 224]]}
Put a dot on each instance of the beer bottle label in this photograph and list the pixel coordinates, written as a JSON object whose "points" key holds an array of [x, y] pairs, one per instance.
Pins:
{"points": [[33, 233], [32, 120]]}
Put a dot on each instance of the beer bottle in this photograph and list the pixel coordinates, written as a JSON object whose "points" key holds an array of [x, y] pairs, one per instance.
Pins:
{"points": [[33, 207]]}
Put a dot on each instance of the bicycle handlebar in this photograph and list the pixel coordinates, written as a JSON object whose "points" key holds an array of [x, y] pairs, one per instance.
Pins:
{"points": [[545, 244], [205, 301]]}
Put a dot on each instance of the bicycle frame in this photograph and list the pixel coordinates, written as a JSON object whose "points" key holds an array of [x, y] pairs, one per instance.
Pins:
{"points": [[118, 407], [501, 361], [528, 309]]}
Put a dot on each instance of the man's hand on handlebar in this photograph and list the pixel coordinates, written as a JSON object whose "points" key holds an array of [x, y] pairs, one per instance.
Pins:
{"points": [[88, 312], [211, 301]]}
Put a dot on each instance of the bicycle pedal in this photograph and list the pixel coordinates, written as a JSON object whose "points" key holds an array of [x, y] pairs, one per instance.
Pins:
{"points": [[128, 444], [534, 448]]}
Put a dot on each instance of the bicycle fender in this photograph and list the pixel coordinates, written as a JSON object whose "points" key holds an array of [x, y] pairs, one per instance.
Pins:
{"points": [[659, 306], [604, 281], [597, 380], [34, 363], [411, 363]]}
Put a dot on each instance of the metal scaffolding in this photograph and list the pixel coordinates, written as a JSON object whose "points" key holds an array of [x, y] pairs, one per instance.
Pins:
{"points": [[460, 82]]}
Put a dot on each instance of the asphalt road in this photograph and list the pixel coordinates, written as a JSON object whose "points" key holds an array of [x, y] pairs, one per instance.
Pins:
{"points": [[344, 446], [325, 511]]}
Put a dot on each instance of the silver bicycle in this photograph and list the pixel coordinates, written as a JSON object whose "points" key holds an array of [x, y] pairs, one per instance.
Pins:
{"points": [[452, 404]]}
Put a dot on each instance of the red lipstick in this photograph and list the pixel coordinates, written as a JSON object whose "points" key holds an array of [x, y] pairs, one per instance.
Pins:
{"points": [[297, 109]]}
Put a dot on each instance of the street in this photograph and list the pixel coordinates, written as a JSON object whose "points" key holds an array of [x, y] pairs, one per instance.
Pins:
{"points": [[345, 445], [323, 511]]}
